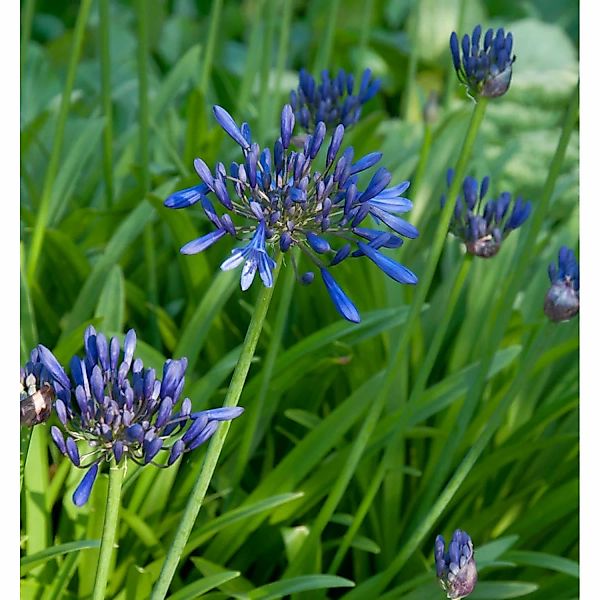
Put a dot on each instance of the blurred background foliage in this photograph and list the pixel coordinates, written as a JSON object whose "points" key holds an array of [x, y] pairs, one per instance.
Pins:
{"points": [[108, 255]]}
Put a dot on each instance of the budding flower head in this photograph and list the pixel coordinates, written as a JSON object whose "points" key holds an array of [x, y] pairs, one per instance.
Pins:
{"points": [[308, 199], [455, 568], [115, 409], [485, 69], [562, 300], [481, 227], [332, 101]]}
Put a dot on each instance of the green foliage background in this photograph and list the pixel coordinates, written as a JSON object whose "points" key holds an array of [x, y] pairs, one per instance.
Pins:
{"points": [[99, 247]]}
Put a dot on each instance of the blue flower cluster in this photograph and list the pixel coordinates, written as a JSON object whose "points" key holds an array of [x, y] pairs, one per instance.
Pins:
{"points": [[562, 300], [113, 407], [483, 228], [285, 201], [332, 101], [455, 568], [485, 71]]}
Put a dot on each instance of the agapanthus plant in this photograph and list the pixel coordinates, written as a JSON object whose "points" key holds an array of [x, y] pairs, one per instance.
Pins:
{"points": [[455, 567], [333, 101], [114, 408], [483, 227], [562, 300], [485, 70], [300, 199]]}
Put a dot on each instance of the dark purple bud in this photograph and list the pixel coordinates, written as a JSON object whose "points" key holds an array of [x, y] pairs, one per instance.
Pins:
{"points": [[222, 195], [96, 384], [341, 255], [307, 278], [84, 489], [151, 449], [176, 451], [135, 433], [204, 435], [196, 427], [118, 451]]}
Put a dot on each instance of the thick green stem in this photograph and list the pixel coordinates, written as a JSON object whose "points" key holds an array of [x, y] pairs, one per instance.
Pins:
{"points": [[358, 448], [43, 212], [216, 444], [253, 419], [116, 475], [107, 149]]}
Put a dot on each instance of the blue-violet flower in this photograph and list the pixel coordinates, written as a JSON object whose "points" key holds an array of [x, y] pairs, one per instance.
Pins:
{"points": [[285, 201], [483, 228], [455, 568], [332, 101], [562, 300], [116, 408], [485, 71]]}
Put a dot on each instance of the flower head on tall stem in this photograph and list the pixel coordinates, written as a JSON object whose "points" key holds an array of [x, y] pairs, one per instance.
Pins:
{"points": [[333, 101], [308, 199], [484, 67], [116, 409], [483, 227], [562, 300], [455, 567]]}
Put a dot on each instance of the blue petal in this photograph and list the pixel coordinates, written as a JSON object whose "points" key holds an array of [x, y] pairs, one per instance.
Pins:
{"points": [[398, 225], [342, 303], [229, 125], [389, 266], [365, 162], [84, 489], [53, 366], [318, 244], [187, 197], [200, 244], [225, 413]]}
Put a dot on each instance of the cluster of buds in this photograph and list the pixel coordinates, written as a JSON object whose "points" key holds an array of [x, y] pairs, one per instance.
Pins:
{"points": [[485, 71], [483, 227], [455, 567], [562, 300]]}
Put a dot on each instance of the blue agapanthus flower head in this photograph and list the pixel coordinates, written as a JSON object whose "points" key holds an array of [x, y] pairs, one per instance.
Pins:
{"points": [[336, 100], [309, 198], [483, 227], [562, 300], [42, 378], [455, 567], [115, 408], [483, 66]]}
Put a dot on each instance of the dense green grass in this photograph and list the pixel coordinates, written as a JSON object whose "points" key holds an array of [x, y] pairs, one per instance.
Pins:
{"points": [[479, 429]]}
